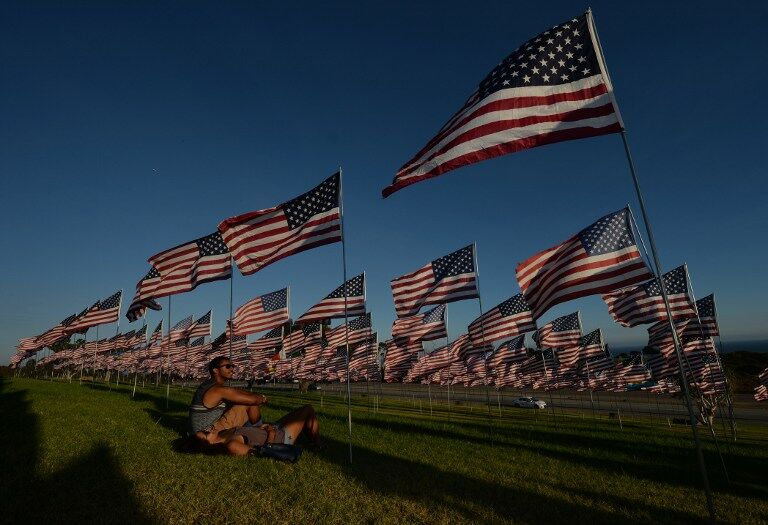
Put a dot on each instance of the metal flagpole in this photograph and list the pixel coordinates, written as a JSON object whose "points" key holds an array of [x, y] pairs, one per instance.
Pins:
{"points": [[82, 360], [168, 357], [117, 331], [136, 366], [346, 317], [482, 338], [657, 264]]}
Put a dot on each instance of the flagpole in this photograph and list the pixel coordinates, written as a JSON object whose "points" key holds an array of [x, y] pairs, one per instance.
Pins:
{"points": [[658, 267], [231, 314], [346, 315], [482, 338], [168, 357], [136, 366], [95, 351]]}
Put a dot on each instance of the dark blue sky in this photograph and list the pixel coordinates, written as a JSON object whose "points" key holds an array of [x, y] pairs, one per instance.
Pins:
{"points": [[130, 128]]}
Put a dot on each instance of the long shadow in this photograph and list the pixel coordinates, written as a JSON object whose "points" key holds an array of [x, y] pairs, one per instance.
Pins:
{"points": [[91, 489], [671, 463], [401, 478]]}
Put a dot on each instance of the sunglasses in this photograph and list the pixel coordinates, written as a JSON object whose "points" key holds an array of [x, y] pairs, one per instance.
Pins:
{"points": [[226, 366]]}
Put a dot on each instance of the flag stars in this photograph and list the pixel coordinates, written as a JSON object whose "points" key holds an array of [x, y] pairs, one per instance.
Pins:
{"points": [[526, 79], [559, 49]]}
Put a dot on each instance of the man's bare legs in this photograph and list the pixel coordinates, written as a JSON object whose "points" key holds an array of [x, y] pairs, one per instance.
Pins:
{"points": [[302, 419]]}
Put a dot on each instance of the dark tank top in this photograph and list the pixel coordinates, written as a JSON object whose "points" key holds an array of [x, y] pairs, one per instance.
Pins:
{"points": [[201, 417]]}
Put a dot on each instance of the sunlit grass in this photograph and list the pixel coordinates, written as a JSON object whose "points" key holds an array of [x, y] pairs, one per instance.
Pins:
{"points": [[78, 453]]}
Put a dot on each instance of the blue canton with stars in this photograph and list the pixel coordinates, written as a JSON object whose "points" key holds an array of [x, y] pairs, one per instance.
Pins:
{"points": [[609, 234], [211, 244], [514, 305], [206, 319], [516, 343], [456, 263], [320, 199], [275, 300], [354, 288], [675, 281], [435, 315], [592, 338], [111, 302], [706, 306], [560, 55], [361, 323], [566, 323]]}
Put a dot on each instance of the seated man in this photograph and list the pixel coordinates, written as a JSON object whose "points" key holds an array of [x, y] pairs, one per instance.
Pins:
{"points": [[239, 441], [216, 407]]}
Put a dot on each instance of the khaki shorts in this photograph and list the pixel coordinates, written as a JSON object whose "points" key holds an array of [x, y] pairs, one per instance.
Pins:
{"points": [[234, 416]]}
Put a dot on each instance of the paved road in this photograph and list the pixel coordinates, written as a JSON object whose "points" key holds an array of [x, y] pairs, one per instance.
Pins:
{"points": [[629, 404]]}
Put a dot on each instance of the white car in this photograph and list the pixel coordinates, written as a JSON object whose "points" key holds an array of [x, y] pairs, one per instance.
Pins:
{"points": [[529, 402]]}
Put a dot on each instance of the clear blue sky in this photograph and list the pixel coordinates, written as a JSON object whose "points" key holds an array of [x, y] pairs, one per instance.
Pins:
{"points": [[127, 128]]}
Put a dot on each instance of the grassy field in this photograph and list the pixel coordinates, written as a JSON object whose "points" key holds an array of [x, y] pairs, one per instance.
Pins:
{"points": [[81, 453]]}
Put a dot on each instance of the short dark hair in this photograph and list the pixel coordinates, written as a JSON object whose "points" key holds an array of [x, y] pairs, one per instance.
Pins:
{"points": [[216, 363]]}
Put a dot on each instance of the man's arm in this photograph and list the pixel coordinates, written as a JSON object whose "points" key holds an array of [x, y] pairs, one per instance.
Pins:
{"points": [[217, 394]]}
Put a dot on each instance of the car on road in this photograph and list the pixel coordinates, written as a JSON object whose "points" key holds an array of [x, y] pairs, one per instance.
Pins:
{"points": [[529, 402]]}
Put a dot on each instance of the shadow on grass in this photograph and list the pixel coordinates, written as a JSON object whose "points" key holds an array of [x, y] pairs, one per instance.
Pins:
{"points": [[90, 489], [638, 452], [426, 484]]}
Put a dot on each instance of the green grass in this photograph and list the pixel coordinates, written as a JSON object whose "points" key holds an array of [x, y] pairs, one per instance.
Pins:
{"points": [[76, 453]]}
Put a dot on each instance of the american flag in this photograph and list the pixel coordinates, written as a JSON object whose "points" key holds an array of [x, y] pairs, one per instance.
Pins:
{"points": [[262, 313], [83, 319], [707, 315], [444, 280], [644, 304], [146, 290], [259, 238], [200, 328], [511, 351], [186, 266], [551, 89], [60, 331], [179, 330], [508, 319], [591, 345], [540, 362], [221, 343], [428, 326], [108, 310], [600, 258], [332, 306], [308, 335], [761, 390], [355, 331], [562, 332], [27, 344], [268, 341], [157, 335]]}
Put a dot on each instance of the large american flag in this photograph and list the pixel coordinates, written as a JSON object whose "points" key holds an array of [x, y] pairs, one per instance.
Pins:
{"points": [[262, 313], [428, 326], [551, 89], [82, 321], [644, 304], [600, 258], [332, 306], [200, 328], [259, 238], [562, 332], [508, 319], [591, 345], [145, 295], [196, 262], [444, 280]]}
